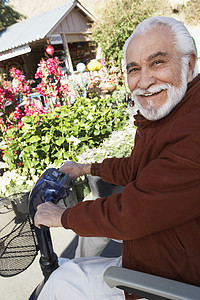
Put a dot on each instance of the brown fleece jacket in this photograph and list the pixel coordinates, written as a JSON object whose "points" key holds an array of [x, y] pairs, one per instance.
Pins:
{"points": [[157, 215]]}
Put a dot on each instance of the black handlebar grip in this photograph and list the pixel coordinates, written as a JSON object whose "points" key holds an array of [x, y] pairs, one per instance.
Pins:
{"points": [[44, 228]]}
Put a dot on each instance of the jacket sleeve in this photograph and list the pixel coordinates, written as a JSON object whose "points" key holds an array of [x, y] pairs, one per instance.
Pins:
{"points": [[165, 193], [146, 205], [113, 170]]}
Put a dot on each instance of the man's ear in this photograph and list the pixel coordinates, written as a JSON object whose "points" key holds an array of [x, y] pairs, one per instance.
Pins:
{"points": [[191, 66]]}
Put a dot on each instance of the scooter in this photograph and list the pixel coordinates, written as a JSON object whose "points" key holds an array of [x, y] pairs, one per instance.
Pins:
{"points": [[20, 242], [23, 241]]}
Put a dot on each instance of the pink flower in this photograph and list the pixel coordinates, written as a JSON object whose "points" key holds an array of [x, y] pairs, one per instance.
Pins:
{"points": [[17, 114], [13, 93], [20, 124]]}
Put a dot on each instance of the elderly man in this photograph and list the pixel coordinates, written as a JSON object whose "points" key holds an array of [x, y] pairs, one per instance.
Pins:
{"points": [[157, 215]]}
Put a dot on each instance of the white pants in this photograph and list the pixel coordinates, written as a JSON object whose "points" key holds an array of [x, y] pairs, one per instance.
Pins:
{"points": [[82, 279], [90, 246]]}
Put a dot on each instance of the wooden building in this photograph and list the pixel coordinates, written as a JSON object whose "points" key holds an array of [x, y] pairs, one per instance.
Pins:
{"points": [[23, 44]]}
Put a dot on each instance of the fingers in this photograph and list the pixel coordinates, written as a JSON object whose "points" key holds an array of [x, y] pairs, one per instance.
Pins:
{"points": [[72, 168], [48, 214], [40, 216]]}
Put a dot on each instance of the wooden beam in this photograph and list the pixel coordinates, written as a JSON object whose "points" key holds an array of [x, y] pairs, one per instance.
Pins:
{"points": [[66, 48]]}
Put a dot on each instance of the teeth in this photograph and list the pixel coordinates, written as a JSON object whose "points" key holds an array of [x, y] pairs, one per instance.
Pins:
{"points": [[146, 95], [150, 94]]}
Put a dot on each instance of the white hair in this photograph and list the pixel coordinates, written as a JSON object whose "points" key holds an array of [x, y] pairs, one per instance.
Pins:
{"points": [[183, 40]]}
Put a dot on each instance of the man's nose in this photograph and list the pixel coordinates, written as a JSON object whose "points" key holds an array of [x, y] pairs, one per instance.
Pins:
{"points": [[146, 79]]}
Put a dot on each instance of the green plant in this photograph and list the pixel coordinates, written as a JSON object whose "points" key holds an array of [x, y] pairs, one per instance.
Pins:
{"points": [[62, 134], [119, 144], [120, 17], [12, 183]]}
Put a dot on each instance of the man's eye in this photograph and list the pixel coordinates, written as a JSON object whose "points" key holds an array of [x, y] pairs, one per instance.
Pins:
{"points": [[158, 62], [132, 70]]}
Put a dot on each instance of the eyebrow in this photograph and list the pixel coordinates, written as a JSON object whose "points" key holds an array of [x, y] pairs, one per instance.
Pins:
{"points": [[150, 57], [159, 53]]}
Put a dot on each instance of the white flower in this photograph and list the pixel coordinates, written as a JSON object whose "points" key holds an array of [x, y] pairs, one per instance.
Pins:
{"points": [[90, 117], [72, 139], [118, 144]]}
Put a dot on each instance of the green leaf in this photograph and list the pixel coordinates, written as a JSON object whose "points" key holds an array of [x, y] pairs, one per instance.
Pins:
{"points": [[34, 139], [60, 141]]}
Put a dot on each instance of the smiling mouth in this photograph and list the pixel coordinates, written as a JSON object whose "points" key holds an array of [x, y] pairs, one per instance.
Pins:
{"points": [[150, 94]]}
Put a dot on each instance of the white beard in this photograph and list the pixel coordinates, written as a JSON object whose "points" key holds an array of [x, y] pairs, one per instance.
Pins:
{"points": [[174, 96]]}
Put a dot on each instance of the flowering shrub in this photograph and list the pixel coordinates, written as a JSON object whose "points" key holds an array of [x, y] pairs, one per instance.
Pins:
{"points": [[45, 136], [15, 102], [12, 182], [52, 87], [119, 144], [62, 134], [20, 84], [117, 21]]}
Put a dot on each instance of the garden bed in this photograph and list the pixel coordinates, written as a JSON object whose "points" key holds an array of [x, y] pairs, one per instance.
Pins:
{"points": [[119, 144]]}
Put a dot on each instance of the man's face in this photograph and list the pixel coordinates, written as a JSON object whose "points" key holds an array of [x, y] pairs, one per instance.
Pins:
{"points": [[154, 71]]}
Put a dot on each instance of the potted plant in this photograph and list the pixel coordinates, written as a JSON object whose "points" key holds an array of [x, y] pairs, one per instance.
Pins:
{"points": [[100, 188], [82, 188], [108, 86], [119, 144]]}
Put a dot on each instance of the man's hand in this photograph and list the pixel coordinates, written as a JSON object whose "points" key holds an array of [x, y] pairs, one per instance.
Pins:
{"points": [[48, 214], [74, 170]]}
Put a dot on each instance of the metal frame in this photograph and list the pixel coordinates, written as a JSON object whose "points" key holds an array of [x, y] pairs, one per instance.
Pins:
{"points": [[150, 286]]}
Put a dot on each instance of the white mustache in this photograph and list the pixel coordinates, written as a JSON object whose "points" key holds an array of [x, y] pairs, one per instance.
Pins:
{"points": [[151, 90]]}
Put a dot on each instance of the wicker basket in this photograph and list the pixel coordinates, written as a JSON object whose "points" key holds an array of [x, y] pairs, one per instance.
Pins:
{"points": [[18, 246]]}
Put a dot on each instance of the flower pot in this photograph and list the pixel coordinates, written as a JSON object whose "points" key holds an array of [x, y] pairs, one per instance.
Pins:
{"points": [[108, 88], [111, 88], [19, 204], [100, 188], [82, 189]]}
